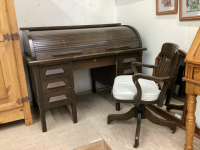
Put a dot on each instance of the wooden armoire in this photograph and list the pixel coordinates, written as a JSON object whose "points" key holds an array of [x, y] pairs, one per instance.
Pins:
{"points": [[14, 101]]}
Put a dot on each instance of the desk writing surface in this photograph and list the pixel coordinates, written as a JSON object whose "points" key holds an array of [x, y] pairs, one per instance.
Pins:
{"points": [[83, 57]]}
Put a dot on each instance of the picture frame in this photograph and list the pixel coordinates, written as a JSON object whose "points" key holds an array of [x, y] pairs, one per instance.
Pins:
{"points": [[166, 7], [189, 10]]}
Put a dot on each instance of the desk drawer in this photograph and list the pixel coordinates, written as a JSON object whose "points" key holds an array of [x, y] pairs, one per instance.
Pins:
{"points": [[129, 58], [55, 84], [55, 99], [54, 71], [94, 63], [126, 69]]}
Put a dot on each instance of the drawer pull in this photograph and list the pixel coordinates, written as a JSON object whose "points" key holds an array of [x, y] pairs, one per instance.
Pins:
{"points": [[54, 71], [57, 98], [122, 47], [128, 60], [55, 84], [66, 53], [128, 71]]}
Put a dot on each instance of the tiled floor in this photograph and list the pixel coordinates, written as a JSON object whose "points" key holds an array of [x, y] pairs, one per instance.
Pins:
{"points": [[92, 126]]}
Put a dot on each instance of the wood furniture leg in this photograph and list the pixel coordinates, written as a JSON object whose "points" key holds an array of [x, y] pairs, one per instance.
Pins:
{"points": [[40, 101], [74, 112], [73, 104], [173, 106], [155, 120], [93, 86], [190, 121], [117, 106], [137, 134], [43, 118], [93, 82], [125, 116], [168, 97]]}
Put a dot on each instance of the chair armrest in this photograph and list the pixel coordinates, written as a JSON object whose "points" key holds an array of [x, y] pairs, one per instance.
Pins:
{"points": [[160, 99], [148, 77], [134, 64]]}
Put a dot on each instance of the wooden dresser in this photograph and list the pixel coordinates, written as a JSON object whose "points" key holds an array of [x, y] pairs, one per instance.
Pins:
{"points": [[53, 53], [14, 101], [192, 78]]}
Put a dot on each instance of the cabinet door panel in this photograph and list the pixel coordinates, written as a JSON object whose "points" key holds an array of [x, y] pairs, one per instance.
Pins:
{"points": [[3, 95], [9, 84], [9, 80]]}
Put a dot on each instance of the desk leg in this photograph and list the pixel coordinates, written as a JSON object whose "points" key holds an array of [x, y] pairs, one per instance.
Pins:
{"points": [[93, 82], [40, 98], [117, 106], [190, 121], [74, 112], [93, 86]]}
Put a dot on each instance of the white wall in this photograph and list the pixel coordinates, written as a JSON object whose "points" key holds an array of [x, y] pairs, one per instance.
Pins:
{"points": [[39, 13], [156, 30]]}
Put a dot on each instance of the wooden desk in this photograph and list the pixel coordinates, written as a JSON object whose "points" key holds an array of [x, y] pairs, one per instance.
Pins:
{"points": [[53, 53], [105, 67], [192, 78]]}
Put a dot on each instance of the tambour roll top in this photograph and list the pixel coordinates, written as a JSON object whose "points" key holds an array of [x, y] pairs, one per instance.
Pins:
{"points": [[49, 43]]}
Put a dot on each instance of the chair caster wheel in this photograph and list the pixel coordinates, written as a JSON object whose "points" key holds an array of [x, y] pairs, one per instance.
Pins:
{"points": [[173, 131], [108, 122]]}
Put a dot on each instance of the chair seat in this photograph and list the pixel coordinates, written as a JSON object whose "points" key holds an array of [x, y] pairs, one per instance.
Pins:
{"points": [[125, 89]]}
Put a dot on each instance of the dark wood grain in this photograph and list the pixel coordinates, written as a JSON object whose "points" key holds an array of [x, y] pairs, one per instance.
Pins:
{"points": [[130, 114], [178, 74], [93, 63], [55, 42], [55, 99], [54, 71], [73, 104], [69, 27], [58, 51], [55, 85], [40, 97]]}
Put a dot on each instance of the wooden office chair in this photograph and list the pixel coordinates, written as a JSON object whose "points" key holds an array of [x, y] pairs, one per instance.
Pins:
{"points": [[141, 89]]}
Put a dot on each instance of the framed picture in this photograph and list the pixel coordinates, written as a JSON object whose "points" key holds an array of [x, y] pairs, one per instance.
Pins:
{"points": [[166, 7], [189, 10]]}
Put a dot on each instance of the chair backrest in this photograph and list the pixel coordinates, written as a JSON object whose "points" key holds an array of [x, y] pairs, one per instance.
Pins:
{"points": [[177, 76], [168, 60]]}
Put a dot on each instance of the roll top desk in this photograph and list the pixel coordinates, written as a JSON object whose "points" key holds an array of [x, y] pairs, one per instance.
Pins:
{"points": [[53, 53]]}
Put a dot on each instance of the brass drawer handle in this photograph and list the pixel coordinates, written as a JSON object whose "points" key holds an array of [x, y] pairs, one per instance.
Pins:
{"points": [[122, 47], [57, 98], [54, 71], [55, 84], [66, 53]]}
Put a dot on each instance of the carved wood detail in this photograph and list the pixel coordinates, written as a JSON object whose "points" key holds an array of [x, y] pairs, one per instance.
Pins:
{"points": [[190, 121]]}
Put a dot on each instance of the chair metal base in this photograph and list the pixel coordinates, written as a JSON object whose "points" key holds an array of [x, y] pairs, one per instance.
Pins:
{"points": [[141, 112]]}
